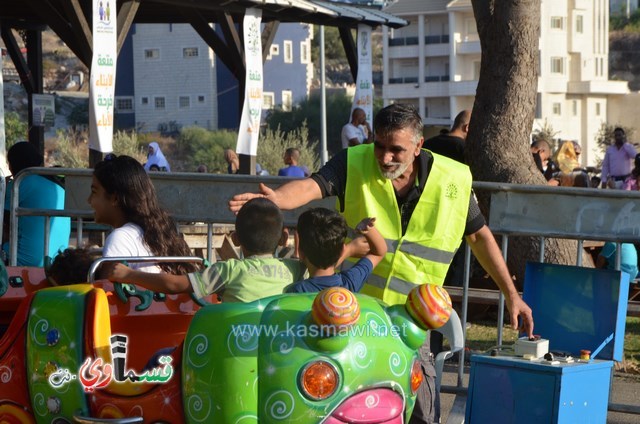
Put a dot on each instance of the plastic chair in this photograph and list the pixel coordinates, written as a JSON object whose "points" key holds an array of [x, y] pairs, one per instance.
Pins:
{"points": [[452, 331]]}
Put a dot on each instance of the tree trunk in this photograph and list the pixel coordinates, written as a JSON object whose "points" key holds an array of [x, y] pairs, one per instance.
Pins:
{"points": [[498, 144]]}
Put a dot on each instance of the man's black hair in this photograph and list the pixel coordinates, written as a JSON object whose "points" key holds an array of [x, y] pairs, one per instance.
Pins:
{"points": [[321, 234], [259, 226]]}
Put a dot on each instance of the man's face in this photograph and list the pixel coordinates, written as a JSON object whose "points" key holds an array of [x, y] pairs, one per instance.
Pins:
{"points": [[619, 137], [396, 152]]}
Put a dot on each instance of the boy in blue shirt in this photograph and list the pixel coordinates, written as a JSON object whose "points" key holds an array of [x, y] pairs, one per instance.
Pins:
{"points": [[320, 238]]}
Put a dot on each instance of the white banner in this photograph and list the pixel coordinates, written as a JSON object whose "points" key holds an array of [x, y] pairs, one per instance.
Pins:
{"points": [[364, 88], [252, 109], [103, 76]]}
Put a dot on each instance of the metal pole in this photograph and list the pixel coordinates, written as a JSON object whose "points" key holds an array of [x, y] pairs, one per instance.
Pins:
{"points": [[505, 246], [323, 103]]}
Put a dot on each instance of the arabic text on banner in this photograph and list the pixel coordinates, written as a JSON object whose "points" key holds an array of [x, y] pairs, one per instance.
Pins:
{"points": [[103, 76], [252, 109], [364, 89]]}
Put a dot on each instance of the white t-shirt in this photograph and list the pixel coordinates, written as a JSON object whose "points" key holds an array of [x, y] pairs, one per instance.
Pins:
{"points": [[350, 131], [128, 241]]}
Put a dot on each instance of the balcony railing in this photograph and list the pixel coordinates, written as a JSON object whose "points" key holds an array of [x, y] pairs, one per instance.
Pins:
{"points": [[412, 41], [414, 80]]}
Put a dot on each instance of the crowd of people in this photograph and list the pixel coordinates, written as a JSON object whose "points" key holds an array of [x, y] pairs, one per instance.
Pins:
{"points": [[405, 205]]}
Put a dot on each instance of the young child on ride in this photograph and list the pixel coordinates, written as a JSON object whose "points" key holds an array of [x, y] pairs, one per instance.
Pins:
{"points": [[123, 196], [321, 245], [71, 266], [259, 231]]}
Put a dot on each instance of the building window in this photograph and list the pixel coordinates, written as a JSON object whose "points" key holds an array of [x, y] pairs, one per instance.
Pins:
{"points": [[200, 99], [152, 54], [267, 100], [124, 105], [557, 65], [184, 102], [556, 109], [574, 107], [539, 106], [557, 22], [597, 109], [287, 100], [305, 51], [159, 102], [288, 51], [144, 101], [579, 24], [274, 50], [190, 52]]}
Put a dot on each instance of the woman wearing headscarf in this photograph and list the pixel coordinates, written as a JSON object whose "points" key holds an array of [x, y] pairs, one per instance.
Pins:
{"points": [[155, 159]]}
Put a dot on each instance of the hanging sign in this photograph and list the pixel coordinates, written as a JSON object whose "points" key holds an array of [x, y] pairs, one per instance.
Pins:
{"points": [[252, 109], [103, 76]]}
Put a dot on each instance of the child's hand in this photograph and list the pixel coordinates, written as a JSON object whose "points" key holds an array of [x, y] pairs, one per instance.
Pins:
{"points": [[365, 225], [119, 273], [358, 247]]}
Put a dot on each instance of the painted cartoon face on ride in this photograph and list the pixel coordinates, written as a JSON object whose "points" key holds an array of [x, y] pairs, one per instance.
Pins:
{"points": [[308, 358]]}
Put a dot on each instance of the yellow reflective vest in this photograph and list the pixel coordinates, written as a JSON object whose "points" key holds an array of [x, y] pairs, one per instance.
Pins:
{"points": [[423, 254]]}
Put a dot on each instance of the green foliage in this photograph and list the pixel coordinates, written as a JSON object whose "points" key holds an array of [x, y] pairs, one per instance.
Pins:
{"points": [[274, 143], [79, 115], [333, 49], [548, 134], [619, 22], [68, 152], [127, 143], [198, 146], [15, 128], [338, 114]]}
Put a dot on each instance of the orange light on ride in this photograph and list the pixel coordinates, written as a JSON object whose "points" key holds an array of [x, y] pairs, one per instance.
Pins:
{"points": [[416, 376], [319, 380], [429, 305], [335, 306]]}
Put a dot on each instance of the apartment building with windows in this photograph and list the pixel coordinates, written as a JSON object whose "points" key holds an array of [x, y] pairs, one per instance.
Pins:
{"points": [[168, 78], [434, 63]]}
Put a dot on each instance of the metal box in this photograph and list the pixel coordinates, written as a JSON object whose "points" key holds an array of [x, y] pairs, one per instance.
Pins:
{"points": [[574, 308]]}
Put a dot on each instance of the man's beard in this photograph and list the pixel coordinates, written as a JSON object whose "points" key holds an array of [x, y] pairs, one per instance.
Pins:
{"points": [[392, 175]]}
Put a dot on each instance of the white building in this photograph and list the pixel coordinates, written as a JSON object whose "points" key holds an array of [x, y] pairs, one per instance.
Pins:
{"points": [[434, 63], [174, 78]]}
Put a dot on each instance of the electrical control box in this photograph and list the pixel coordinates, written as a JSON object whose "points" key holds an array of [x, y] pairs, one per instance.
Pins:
{"points": [[574, 309]]}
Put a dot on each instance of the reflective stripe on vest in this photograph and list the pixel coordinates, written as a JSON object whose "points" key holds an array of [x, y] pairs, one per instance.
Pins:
{"points": [[424, 252]]}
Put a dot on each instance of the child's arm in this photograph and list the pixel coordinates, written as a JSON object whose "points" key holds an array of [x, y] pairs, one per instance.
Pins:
{"points": [[377, 243], [163, 283]]}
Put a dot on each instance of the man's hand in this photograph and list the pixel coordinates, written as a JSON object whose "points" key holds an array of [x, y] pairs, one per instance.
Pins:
{"points": [[239, 200], [518, 308]]}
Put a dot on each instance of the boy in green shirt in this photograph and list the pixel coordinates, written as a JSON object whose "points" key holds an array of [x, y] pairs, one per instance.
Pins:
{"points": [[259, 230]]}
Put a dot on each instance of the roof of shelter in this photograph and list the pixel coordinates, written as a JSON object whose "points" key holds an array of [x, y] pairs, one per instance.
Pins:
{"points": [[414, 7], [170, 11]]}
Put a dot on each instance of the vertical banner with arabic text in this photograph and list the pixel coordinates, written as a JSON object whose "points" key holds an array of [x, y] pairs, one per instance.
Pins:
{"points": [[364, 88], [252, 109], [103, 76]]}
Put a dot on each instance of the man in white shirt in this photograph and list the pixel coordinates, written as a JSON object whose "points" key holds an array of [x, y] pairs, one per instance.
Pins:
{"points": [[357, 131]]}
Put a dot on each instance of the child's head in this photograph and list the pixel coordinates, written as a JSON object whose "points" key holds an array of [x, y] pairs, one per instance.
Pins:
{"points": [[259, 227], [321, 234], [291, 156], [71, 266]]}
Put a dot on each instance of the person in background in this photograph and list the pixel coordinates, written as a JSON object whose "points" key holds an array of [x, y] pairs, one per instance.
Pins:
{"points": [[541, 151], [291, 158], [202, 169], [628, 258], [233, 162], [320, 237], [631, 183], [123, 197], [616, 166], [36, 192], [259, 231], [155, 158], [451, 143], [357, 131]]}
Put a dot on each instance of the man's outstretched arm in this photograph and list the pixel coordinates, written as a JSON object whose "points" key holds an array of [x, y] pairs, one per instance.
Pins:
{"points": [[288, 196], [486, 250]]}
